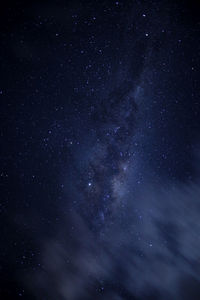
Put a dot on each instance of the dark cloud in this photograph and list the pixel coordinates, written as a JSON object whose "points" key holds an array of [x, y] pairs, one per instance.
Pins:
{"points": [[154, 255]]}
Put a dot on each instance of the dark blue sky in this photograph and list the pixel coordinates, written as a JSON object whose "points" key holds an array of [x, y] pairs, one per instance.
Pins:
{"points": [[100, 150]]}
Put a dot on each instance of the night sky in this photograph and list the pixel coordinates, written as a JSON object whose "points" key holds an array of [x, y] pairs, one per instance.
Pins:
{"points": [[100, 150]]}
